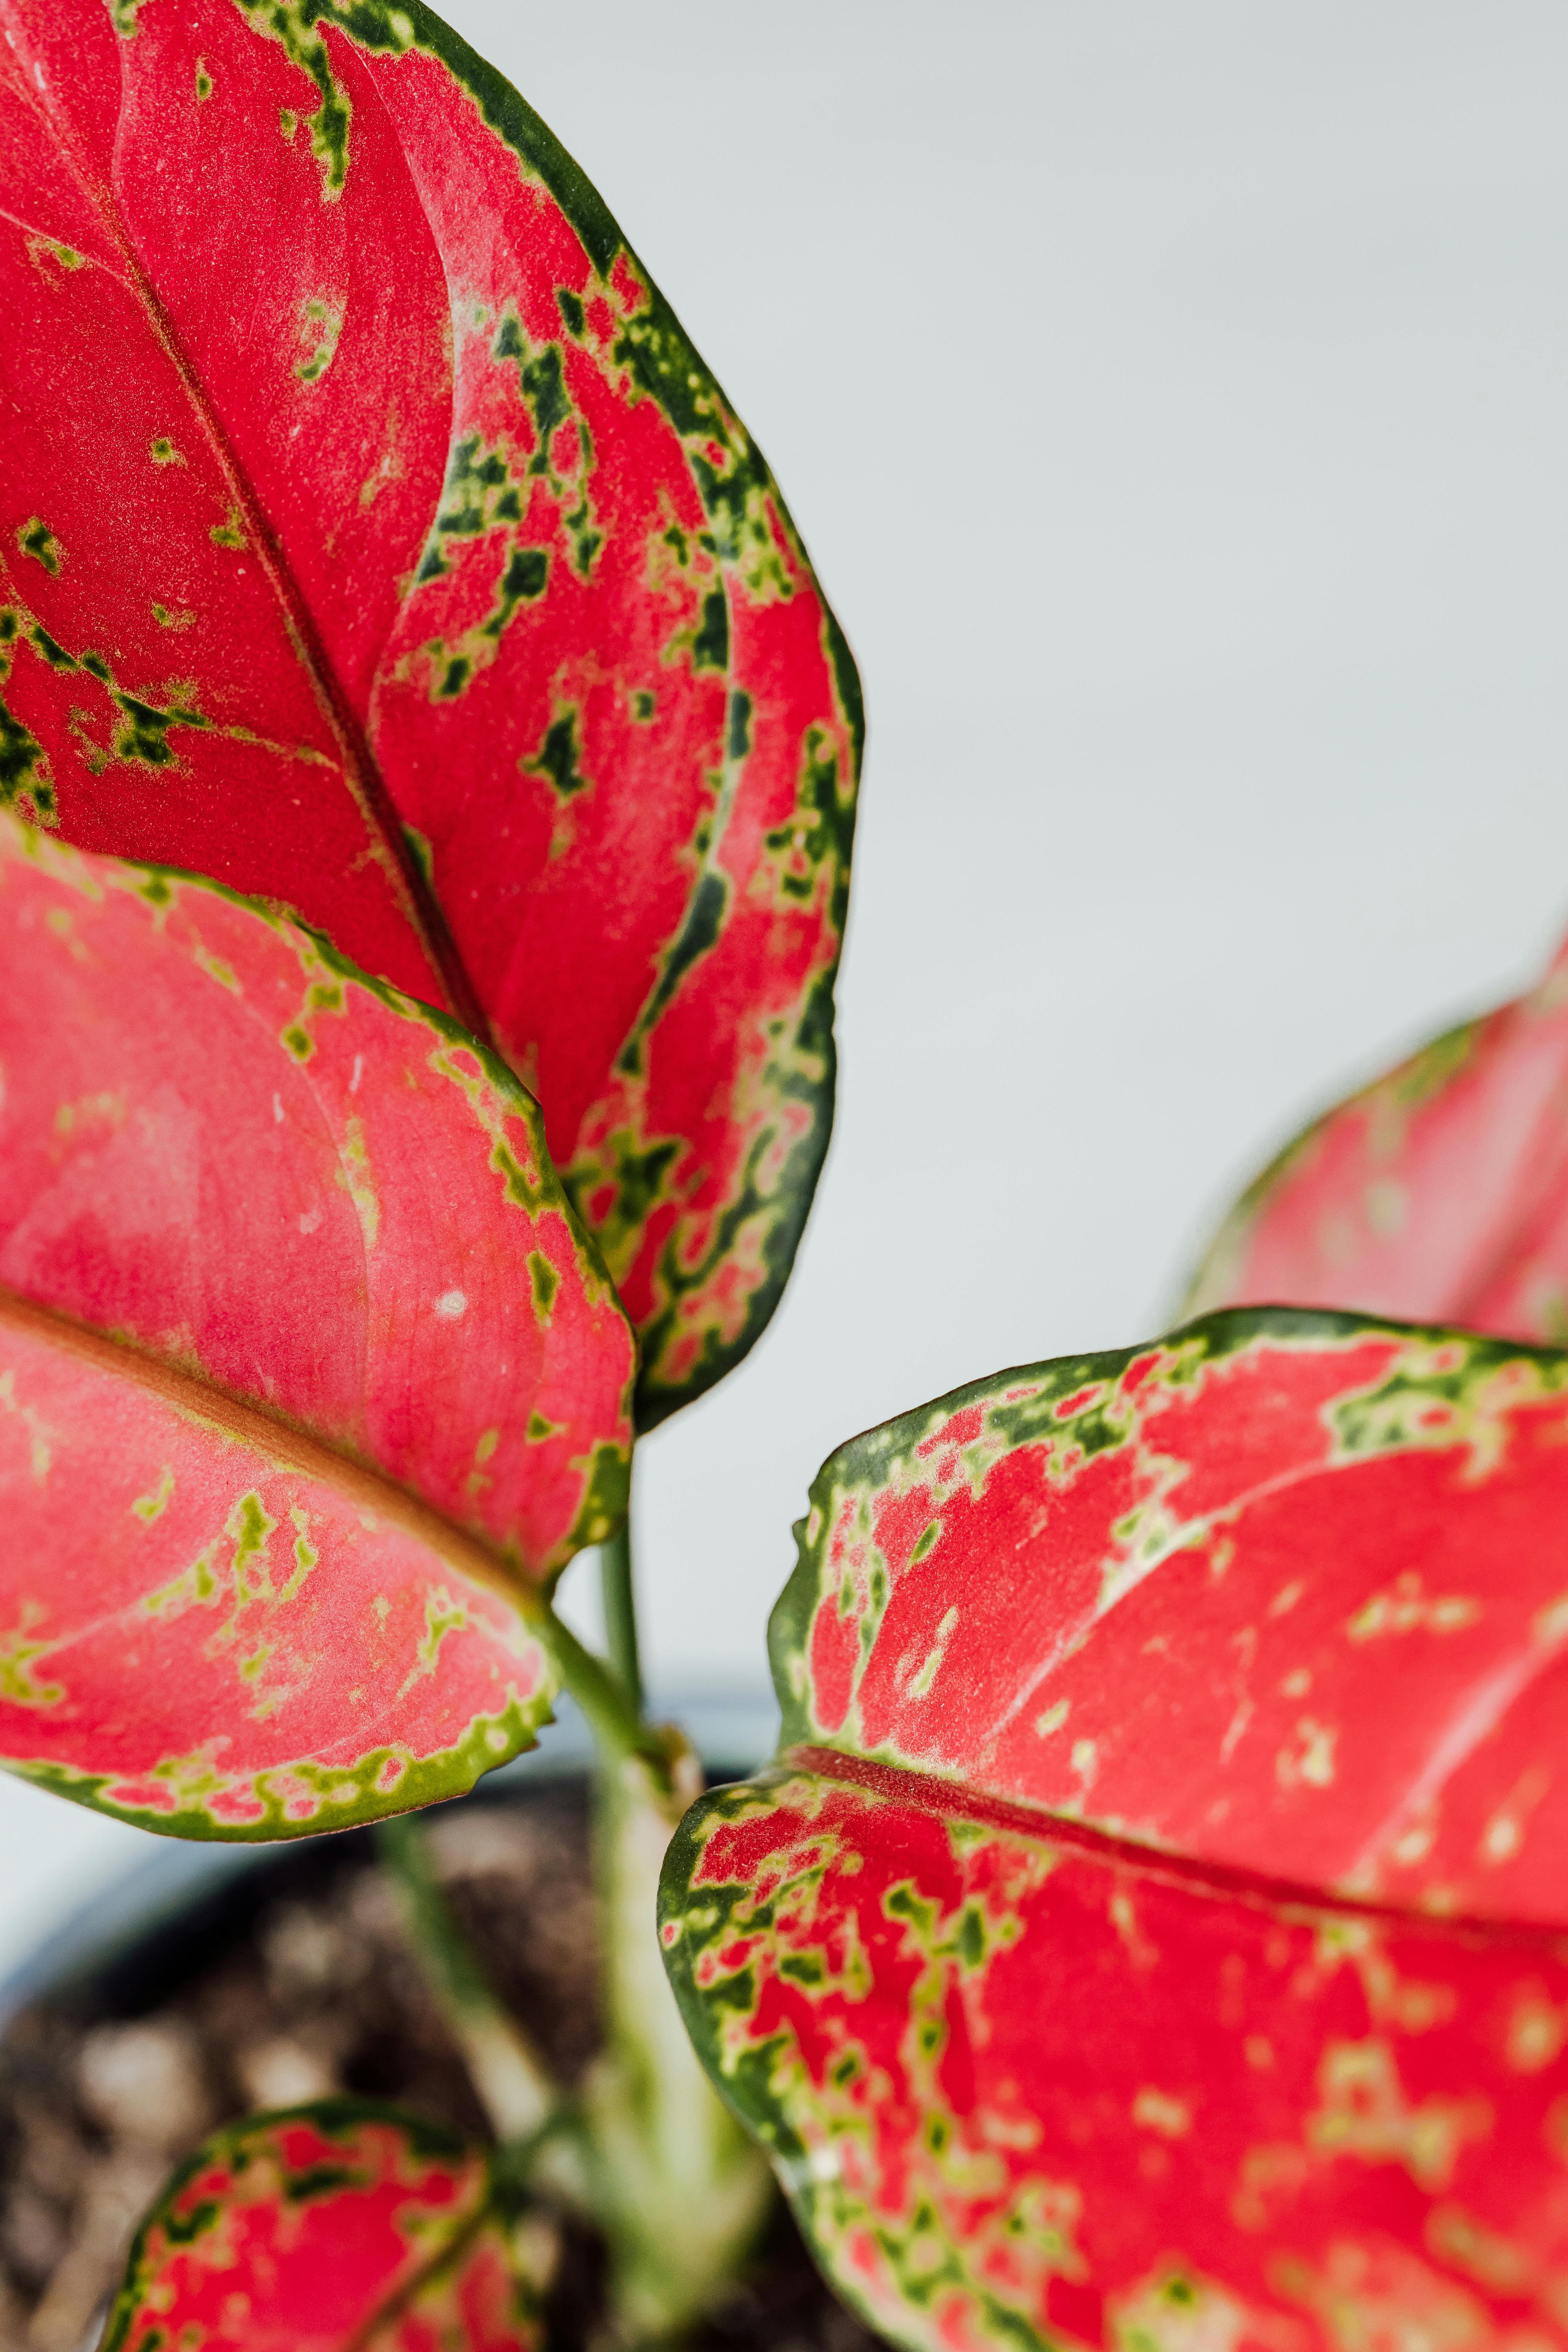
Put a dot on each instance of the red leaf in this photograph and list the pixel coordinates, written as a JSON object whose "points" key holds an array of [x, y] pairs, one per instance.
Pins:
{"points": [[1029, 2090], [332, 1272], [337, 2226], [1151, 1720], [405, 503], [1439, 1193]]}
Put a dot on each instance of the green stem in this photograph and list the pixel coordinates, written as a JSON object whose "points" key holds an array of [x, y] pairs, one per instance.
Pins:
{"points": [[617, 1585], [618, 1726], [646, 2148], [677, 2187], [671, 2177], [519, 2092]]}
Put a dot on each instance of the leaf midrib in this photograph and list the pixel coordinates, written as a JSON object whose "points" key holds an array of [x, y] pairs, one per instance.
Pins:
{"points": [[1224, 1882], [360, 772], [284, 1445]]}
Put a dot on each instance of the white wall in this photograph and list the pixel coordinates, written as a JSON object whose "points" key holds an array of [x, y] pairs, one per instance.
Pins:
{"points": [[1172, 397]]}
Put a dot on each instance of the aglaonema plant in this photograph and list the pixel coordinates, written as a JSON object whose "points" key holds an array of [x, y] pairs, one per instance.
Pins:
{"points": [[1150, 1933], [430, 768], [1151, 1930]]}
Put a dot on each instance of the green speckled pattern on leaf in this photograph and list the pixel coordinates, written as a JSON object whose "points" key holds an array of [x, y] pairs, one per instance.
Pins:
{"points": [[408, 502]]}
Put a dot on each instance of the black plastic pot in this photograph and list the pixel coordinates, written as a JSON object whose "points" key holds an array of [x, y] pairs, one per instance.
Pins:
{"points": [[182, 1890]]}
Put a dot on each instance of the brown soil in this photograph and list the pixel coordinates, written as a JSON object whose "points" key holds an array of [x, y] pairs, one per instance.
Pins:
{"points": [[292, 1981]]}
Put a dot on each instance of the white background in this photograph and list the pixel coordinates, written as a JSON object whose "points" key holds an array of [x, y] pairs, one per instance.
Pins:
{"points": [[1174, 400]]}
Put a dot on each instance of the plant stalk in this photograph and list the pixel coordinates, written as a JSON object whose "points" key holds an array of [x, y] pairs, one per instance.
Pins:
{"points": [[679, 2191], [515, 2086], [675, 2183], [621, 1612], [614, 1720], [649, 2150]]}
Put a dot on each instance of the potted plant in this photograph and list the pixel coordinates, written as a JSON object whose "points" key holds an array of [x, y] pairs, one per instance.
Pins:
{"points": [[1149, 1930]]}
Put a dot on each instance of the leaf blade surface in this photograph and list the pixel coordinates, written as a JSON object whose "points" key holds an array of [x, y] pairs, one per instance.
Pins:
{"points": [[1150, 1932], [215, 1630], [1437, 1193], [231, 1150], [1024, 2089], [504, 569], [308, 1380], [323, 2228], [1164, 1591]]}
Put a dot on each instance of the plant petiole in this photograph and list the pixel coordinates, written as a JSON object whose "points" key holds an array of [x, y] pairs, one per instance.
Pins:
{"points": [[518, 2092], [617, 1586]]}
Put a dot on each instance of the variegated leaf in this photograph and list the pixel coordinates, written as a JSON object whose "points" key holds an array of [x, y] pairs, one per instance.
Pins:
{"points": [[343, 2227], [373, 539], [308, 1380], [1439, 1193], [1153, 1932]]}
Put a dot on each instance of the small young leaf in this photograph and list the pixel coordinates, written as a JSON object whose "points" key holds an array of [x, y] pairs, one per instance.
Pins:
{"points": [[1146, 1716], [373, 539], [306, 1378], [343, 2227], [1439, 1193]]}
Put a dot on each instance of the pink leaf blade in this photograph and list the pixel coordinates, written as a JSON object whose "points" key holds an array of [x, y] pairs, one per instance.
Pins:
{"points": [[212, 1627], [309, 1378], [1439, 1193], [1028, 2088], [486, 540], [164, 664], [231, 1149], [1152, 1930], [1259, 1592], [342, 2225]]}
